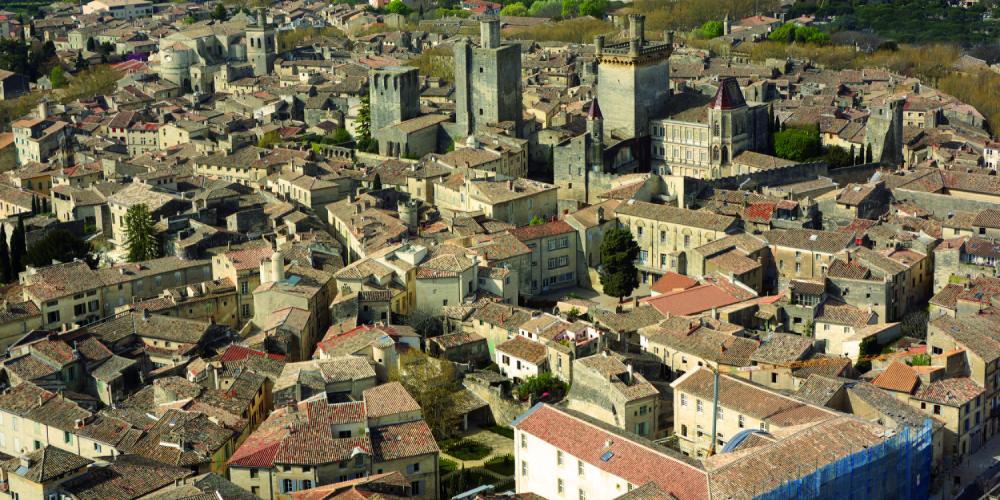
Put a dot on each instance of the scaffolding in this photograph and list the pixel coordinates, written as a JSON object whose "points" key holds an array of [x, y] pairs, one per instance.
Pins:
{"points": [[897, 468]]}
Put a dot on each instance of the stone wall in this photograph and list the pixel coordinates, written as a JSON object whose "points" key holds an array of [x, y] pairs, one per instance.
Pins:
{"points": [[503, 409], [940, 204], [775, 177]]}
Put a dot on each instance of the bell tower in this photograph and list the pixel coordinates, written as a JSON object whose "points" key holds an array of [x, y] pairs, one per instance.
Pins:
{"points": [[261, 45]]}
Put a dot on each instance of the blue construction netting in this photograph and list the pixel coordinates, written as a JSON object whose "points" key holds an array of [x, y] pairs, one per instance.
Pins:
{"points": [[898, 468]]}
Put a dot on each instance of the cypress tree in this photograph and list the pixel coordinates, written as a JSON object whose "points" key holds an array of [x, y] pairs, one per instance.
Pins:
{"points": [[34, 204], [5, 272], [17, 249]]}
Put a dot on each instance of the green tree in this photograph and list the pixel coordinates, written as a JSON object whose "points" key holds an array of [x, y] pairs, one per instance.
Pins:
{"points": [[838, 157], [220, 13], [190, 19], [91, 45], [595, 8], [341, 136], [363, 125], [711, 29], [784, 33], [516, 9], [797, 144], [140, 238], [269, 140], [17, 248], [61, 245], [398, 7], [34, 204], [570, 8], [377, 182], [57, 77], [536, 221], [6, 276], [80, 63], [619, 250], [868, 154]]}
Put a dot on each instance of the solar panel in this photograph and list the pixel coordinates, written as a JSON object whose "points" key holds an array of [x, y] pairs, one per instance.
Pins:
{"points": [[607, 456]]}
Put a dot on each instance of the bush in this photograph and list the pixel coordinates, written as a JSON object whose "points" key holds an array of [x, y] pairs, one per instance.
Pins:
{"points": [[920, 360], [545, 385], [503, 465], [446, 465], [506, 432], [467, 449]]}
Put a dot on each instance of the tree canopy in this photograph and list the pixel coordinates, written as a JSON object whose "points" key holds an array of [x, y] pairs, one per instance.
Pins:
{"points": [[619, 250], [59, 245], [433, 384], [797, 144], [711, 29], [514, 9], [141, 242], [398, 7]]}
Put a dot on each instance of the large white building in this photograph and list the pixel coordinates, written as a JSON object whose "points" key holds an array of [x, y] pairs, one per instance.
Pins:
{"points": [[120, 9]]}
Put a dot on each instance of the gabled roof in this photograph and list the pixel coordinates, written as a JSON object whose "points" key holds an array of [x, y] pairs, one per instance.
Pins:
{"points": [[897, 377]]}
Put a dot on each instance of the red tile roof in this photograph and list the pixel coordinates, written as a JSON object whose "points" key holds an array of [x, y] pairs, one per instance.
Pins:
{"points": [[897, 377], [691, 301], [632, 461], [237, 352], [671, 281]]}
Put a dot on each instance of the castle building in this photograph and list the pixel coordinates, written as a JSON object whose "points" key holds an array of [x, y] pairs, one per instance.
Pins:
{"points": [[700, 136], [395, 95], [192, 58], [884, 130], [487, 81], [633, 80]]}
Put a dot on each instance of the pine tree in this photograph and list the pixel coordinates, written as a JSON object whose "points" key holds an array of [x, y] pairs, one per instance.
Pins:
{"points": [[619, 250], [140, 239], [5, 272], [45, 206], [377, 183], [868, 154], [854, 157]]}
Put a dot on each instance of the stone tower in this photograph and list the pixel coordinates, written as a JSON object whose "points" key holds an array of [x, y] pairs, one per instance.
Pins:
{"points": [[595, 127], [261, 45], [728, 122], [884, 131], [395, 95], [487, 81], [633, 80], [409, 213]]}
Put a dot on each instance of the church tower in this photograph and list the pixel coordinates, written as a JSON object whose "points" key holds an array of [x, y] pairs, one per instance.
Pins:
{"points": [[261, 45]]}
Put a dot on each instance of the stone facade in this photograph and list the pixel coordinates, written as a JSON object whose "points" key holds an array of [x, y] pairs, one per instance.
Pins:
{"points": [[395, 93], [487, 81]]}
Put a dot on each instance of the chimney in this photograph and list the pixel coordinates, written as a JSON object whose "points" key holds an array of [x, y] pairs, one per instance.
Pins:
{"points": [[43, 110], [145, 314], [25, 461], [510, 184], [631, 374]]}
